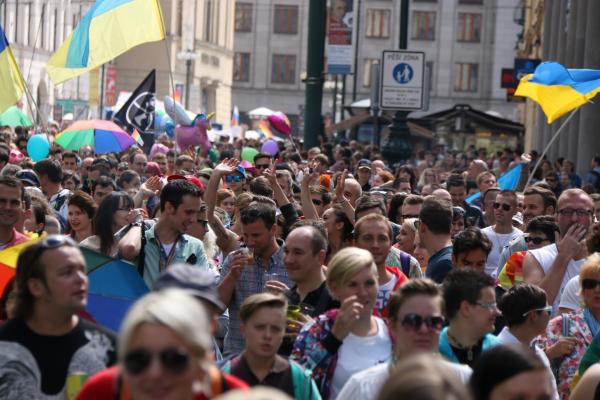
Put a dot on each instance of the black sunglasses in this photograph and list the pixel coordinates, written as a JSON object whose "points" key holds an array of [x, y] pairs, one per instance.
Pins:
{"points": [[534, 240], [203, 222], [415, 321], [317, 202], [261, 166], [589, 283], [505, 207], [173, 360]]}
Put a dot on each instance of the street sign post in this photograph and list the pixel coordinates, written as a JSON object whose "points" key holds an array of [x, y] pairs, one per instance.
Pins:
{"points": [[402, 80]]}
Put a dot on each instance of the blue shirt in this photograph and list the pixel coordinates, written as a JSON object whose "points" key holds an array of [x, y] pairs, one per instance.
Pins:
{"points": [[440, 264], [251, 281]]}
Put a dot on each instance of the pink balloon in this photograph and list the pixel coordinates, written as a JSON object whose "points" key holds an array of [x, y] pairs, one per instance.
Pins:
{"points": [[246, 164], [280, 122], [158, 148]]}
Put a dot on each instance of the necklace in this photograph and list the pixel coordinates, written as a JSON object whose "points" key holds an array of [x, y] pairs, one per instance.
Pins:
{"points": [[459, 345]]}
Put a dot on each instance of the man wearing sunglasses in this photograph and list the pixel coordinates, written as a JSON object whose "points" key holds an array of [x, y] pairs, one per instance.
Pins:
{"points": [[47, 343], [502, 232], [552, 266], [527, 314], [416, 321], [262, 162]]}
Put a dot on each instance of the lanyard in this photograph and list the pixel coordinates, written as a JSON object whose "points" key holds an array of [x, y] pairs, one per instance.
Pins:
{"points": [[165, 259]]}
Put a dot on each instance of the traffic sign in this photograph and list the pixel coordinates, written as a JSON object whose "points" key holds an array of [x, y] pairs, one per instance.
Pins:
{"points": [[402, 80]]}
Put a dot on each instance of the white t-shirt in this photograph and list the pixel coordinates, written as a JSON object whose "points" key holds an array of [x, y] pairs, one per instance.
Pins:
{"points": [[545, 256], [358, 353], [570, 297], [499, 241], [366, 385], [385, 292]]}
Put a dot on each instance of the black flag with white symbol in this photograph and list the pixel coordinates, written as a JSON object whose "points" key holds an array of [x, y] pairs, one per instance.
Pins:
{"points": [[138, 110]]}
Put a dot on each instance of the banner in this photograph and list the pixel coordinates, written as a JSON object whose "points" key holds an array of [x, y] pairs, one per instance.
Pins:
{"points": [[138, 110], [340, 37]]}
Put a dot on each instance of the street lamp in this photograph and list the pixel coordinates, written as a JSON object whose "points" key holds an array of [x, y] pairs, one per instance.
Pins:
{"points": [[188, 56]]}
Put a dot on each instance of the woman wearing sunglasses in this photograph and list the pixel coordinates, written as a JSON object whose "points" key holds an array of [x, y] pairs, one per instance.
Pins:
{"points": [[163, 354], [350, 339], [416, 321], [568, 335]]}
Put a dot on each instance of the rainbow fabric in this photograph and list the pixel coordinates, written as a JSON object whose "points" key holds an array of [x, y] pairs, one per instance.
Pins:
{"points": [[235, 116], [11, 81], [559, 90], [264, 130], [108, 29], [137, 137], [8, 263], [512, 272]]}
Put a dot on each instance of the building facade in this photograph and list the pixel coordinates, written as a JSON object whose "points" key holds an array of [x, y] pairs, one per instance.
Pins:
{"points": [[467, 43]]}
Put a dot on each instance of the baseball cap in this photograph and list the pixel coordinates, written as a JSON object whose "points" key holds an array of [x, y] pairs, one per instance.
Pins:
{"points": [[28, 177], [364, 163], [196, 281], [189, 178], [241, 170]]}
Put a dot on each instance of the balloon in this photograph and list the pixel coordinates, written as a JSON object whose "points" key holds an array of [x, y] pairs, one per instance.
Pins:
{"points": [[248, 154], [213, 155], [280, 122], [158, 148], [38, 147], [246, 164], [192, 136], [170, 128], [270, 147]]}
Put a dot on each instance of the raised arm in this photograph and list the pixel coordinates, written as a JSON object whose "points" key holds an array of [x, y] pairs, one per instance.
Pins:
{"points": [[280, 197], [341, 199], [226, 167]]}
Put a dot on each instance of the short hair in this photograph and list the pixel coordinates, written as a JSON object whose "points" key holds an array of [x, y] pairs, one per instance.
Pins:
{"points": [[84, 202], [547, 195], [346, 263], [189, 320], [489, 190], [243, 200], [455, 180], [481, 164], [482, 176], [322, 191], [509, 194], [174, 191], [471, 239], [414, 287], [367, 202], [49, 168], [284, 173], [436, 214], [413, 199], [69, 154], [30, 266], [318, 239], [499, 364], [590, 267], [258, 301], [373, 218], [463, 284], [71, 175], [259, 211], [223, 194], [15, 183], [104, 181], [592, 241], [520, 299], [261, 186], [545, 224], [262, 155], [183, 158], [126, 177], [321, 159]]}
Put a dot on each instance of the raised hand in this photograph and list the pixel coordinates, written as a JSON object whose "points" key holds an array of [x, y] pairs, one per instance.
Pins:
{"points": [[226, 167], [571, 243], [339, 187]]}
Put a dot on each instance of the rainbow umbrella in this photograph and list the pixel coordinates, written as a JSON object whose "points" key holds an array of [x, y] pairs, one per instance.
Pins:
{"points": [[102, 136], [8, 263]]}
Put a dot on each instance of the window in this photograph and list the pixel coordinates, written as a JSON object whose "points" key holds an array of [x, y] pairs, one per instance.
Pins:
{"points": [[283, 69], [286, 19], [367, 70], [243, 17], [378, 23], [423, 25], [470, 1], [241, 67], [208, 19], [466, 77], [469, 27]]}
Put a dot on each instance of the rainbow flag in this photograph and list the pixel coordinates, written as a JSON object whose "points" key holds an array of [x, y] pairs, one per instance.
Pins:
{"points": [[264, 130], [11, 81], [559, 90], [8, 262], [108, 29], [137, 137]]}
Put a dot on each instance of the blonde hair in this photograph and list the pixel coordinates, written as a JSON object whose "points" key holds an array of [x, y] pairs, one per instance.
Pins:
{"points": [[174, 309], [591, 267], [410, 223], [348, 262], [258, 301]]}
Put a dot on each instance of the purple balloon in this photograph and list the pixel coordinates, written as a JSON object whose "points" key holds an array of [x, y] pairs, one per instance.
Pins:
{"points": [[270, 147]]}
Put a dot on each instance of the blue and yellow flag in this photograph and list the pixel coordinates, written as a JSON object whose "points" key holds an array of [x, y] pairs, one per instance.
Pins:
{"points": [[559, 90], [108, 29], [11, 81]]}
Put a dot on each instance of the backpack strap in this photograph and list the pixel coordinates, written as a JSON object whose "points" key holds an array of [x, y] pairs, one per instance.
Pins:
{"points": [[142, 255], [405, 263]]}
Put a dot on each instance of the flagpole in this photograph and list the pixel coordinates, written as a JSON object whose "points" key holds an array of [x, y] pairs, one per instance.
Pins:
{"points": [[541, 157], [170, 69]]}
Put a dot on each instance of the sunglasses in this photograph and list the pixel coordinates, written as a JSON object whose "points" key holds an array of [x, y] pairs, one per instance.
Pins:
{"points": [[590, 283], [235, 178], [415, 321], [261, 166], [505, 207], [547, 309], [317, 202], [172, 360], [534, 240], [203, 222], [52, 242]]}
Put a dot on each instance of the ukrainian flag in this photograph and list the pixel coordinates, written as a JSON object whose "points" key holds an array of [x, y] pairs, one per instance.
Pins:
{"points": [[108, 29], [11, 81], [559, 90]]}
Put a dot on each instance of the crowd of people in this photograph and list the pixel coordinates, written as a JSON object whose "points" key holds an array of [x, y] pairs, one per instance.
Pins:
{"points": [[322, 274]]}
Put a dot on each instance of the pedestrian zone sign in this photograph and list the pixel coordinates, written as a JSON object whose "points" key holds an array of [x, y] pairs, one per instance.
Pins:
{"points": [[402, 80]]}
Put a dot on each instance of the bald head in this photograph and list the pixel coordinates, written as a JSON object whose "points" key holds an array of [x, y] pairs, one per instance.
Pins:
{"points": [[352, 190], [442, 194]]}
